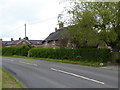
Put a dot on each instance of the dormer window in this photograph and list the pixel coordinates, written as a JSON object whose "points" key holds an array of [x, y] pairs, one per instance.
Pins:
{"points": [[24, 43]]}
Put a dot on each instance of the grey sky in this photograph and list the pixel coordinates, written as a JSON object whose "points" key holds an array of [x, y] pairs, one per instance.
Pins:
{"points": [[15, 13]]}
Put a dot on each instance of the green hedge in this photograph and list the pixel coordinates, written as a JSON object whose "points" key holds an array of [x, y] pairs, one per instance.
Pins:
{"points": [[88, 54], [22, 50]]}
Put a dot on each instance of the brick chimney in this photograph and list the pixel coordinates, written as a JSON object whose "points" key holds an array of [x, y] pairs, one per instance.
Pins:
{"points": [[61, 25], [19, 38], [1, 39], [56, 29], [0, 42], [12, 39]]}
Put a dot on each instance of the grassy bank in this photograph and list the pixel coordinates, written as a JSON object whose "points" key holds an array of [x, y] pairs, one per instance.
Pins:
{"points": [[0, 78], [8, 81], [86, 63]]}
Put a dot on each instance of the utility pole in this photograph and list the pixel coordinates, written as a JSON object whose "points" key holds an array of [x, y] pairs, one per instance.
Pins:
{"points": [[25, 30]]}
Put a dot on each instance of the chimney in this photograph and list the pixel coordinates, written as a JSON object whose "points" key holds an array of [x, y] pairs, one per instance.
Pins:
{"points": [[1, 39], [56, 29], [19, 38], [61, 25], [0, 42], [12, 39]]}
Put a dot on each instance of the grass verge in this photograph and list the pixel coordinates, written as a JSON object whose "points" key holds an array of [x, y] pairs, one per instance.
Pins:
{"points": [[86, 63], [8, 81], [0, 78]]}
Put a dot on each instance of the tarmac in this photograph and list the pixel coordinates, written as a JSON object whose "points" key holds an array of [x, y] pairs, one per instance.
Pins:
{"points": [[112, 67]]}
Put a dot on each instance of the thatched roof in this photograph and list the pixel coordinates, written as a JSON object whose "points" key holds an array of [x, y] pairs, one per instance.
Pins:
{"points": [[59, 34]]}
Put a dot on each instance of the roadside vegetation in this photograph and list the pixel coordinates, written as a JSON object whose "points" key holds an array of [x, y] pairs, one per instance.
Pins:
{"points": [[8, 81], [0, 78], [84, 56], [81, 56]]}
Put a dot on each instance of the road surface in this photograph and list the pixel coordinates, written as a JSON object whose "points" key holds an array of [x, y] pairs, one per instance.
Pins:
{"points": [[44, 74]]}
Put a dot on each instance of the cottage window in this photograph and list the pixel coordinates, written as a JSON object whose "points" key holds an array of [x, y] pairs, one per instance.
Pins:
{"points": [[46, 43]]}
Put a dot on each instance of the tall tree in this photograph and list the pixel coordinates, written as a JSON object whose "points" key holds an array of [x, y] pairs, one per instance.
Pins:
{"points": [[94, 22]]}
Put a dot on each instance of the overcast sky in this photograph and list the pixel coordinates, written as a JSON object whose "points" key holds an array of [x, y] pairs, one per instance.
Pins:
{"points": [[39, 15]]}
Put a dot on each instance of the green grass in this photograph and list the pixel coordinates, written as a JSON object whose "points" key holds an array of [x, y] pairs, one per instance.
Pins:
{"points": [[86, 63], [0, 78], [8, 81]]}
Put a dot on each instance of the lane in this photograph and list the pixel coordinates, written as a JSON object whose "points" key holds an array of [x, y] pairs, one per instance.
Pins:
{"points": [[38, 74], [69, 73]]}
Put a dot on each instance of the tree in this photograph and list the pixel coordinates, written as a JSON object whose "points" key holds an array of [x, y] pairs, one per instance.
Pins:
{"points": [[82, 33], [94, 22]]}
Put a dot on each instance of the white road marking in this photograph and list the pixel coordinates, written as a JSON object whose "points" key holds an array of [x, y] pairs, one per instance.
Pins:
{"points": [[78, 76], [9, 60], [12, 60], [22, 62], [35, 64], [25, 63], [28, 63], [103, 67]]}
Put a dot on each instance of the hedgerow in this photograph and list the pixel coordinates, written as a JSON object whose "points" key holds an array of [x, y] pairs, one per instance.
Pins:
{"points": [[22, 50], [86, 54]]}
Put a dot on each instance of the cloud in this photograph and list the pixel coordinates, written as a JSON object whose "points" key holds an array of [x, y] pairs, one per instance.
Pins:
{"points": [[15, 13]]}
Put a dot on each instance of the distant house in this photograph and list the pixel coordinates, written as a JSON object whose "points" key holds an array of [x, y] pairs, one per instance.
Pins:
{"points": [[59, 38], [21, 42]]}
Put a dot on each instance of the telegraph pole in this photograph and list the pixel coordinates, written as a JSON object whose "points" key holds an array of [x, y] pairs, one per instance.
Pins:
{"points": [[25, 30]]}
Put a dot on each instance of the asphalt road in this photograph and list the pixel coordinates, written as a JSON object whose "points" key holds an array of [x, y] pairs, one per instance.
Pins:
{"points": [[44, 74]]}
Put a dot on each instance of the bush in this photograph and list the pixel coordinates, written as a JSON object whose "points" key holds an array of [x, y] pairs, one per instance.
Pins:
{"points": [[88, 54], [22, 50]]}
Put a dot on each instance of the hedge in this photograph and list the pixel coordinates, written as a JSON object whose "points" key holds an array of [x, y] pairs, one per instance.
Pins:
{"points": [[87, 54], [22, 50]]}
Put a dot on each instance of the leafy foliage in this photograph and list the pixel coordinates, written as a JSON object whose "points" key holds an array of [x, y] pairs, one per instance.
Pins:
{"points": [[93, 22]]}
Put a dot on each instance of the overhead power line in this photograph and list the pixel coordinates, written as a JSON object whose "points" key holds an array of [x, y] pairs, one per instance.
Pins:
{"points": [[41, 21], [15, 31]]}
